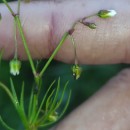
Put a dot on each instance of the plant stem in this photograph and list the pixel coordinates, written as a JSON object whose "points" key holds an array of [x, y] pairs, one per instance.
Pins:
{"points": [[60, 44], [75, 51], [8, 7], [53, 54], [18, 9], [16, 43], [17, 19]]}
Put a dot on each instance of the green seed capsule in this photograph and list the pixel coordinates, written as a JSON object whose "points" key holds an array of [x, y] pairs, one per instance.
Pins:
{"points": [[76, 71]]}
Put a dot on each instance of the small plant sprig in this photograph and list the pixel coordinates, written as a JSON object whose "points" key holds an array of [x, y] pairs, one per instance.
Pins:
{"points": [[15, 64], [37, 116], [44, 116], [104, 14], [46, 112]]}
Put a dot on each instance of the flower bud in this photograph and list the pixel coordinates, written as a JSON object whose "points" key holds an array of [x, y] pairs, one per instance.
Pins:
{"points": [[53, 117], [76, 71], [15, 66], [106, 13]]}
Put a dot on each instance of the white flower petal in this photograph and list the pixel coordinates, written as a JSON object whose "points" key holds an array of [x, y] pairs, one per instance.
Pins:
{"points": [[112, 13]]}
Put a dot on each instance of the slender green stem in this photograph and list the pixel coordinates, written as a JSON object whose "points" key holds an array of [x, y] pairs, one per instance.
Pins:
{"points": [[25, 44], [34, 108], [17, 20], [15, 38], [12, 12], [23, 118], [87, 17], [75, 52], [53, 54], [18, 9]]}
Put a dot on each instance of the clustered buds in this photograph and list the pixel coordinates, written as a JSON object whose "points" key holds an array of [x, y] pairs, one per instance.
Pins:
{"points": [[77, 70], [15, 66], [106, 13]]}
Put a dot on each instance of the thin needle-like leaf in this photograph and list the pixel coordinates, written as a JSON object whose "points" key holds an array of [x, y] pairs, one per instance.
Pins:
{"points": [[22, 109], [56, 96], [44, 118], [49, 100], [66, 106], [22, 98], [64, 110], [5, 125], [45, 96], [5, 88], [14, 93], [30, 105], [62, 96]]}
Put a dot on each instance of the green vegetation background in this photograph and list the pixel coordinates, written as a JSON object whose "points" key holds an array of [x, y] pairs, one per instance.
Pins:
{"points": [[92, 79]]}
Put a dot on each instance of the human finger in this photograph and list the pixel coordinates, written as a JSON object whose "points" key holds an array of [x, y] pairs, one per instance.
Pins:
{"points": [[44, 24]]}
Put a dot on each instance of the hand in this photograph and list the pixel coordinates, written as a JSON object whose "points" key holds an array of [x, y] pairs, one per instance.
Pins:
{"points": [[44, 24]]}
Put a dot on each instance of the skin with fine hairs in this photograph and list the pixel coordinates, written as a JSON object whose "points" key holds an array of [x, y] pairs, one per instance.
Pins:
{"points": [[44, 23]]}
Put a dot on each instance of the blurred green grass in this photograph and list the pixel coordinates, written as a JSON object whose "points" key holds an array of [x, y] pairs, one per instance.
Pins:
{"points": [[92, 79]]}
